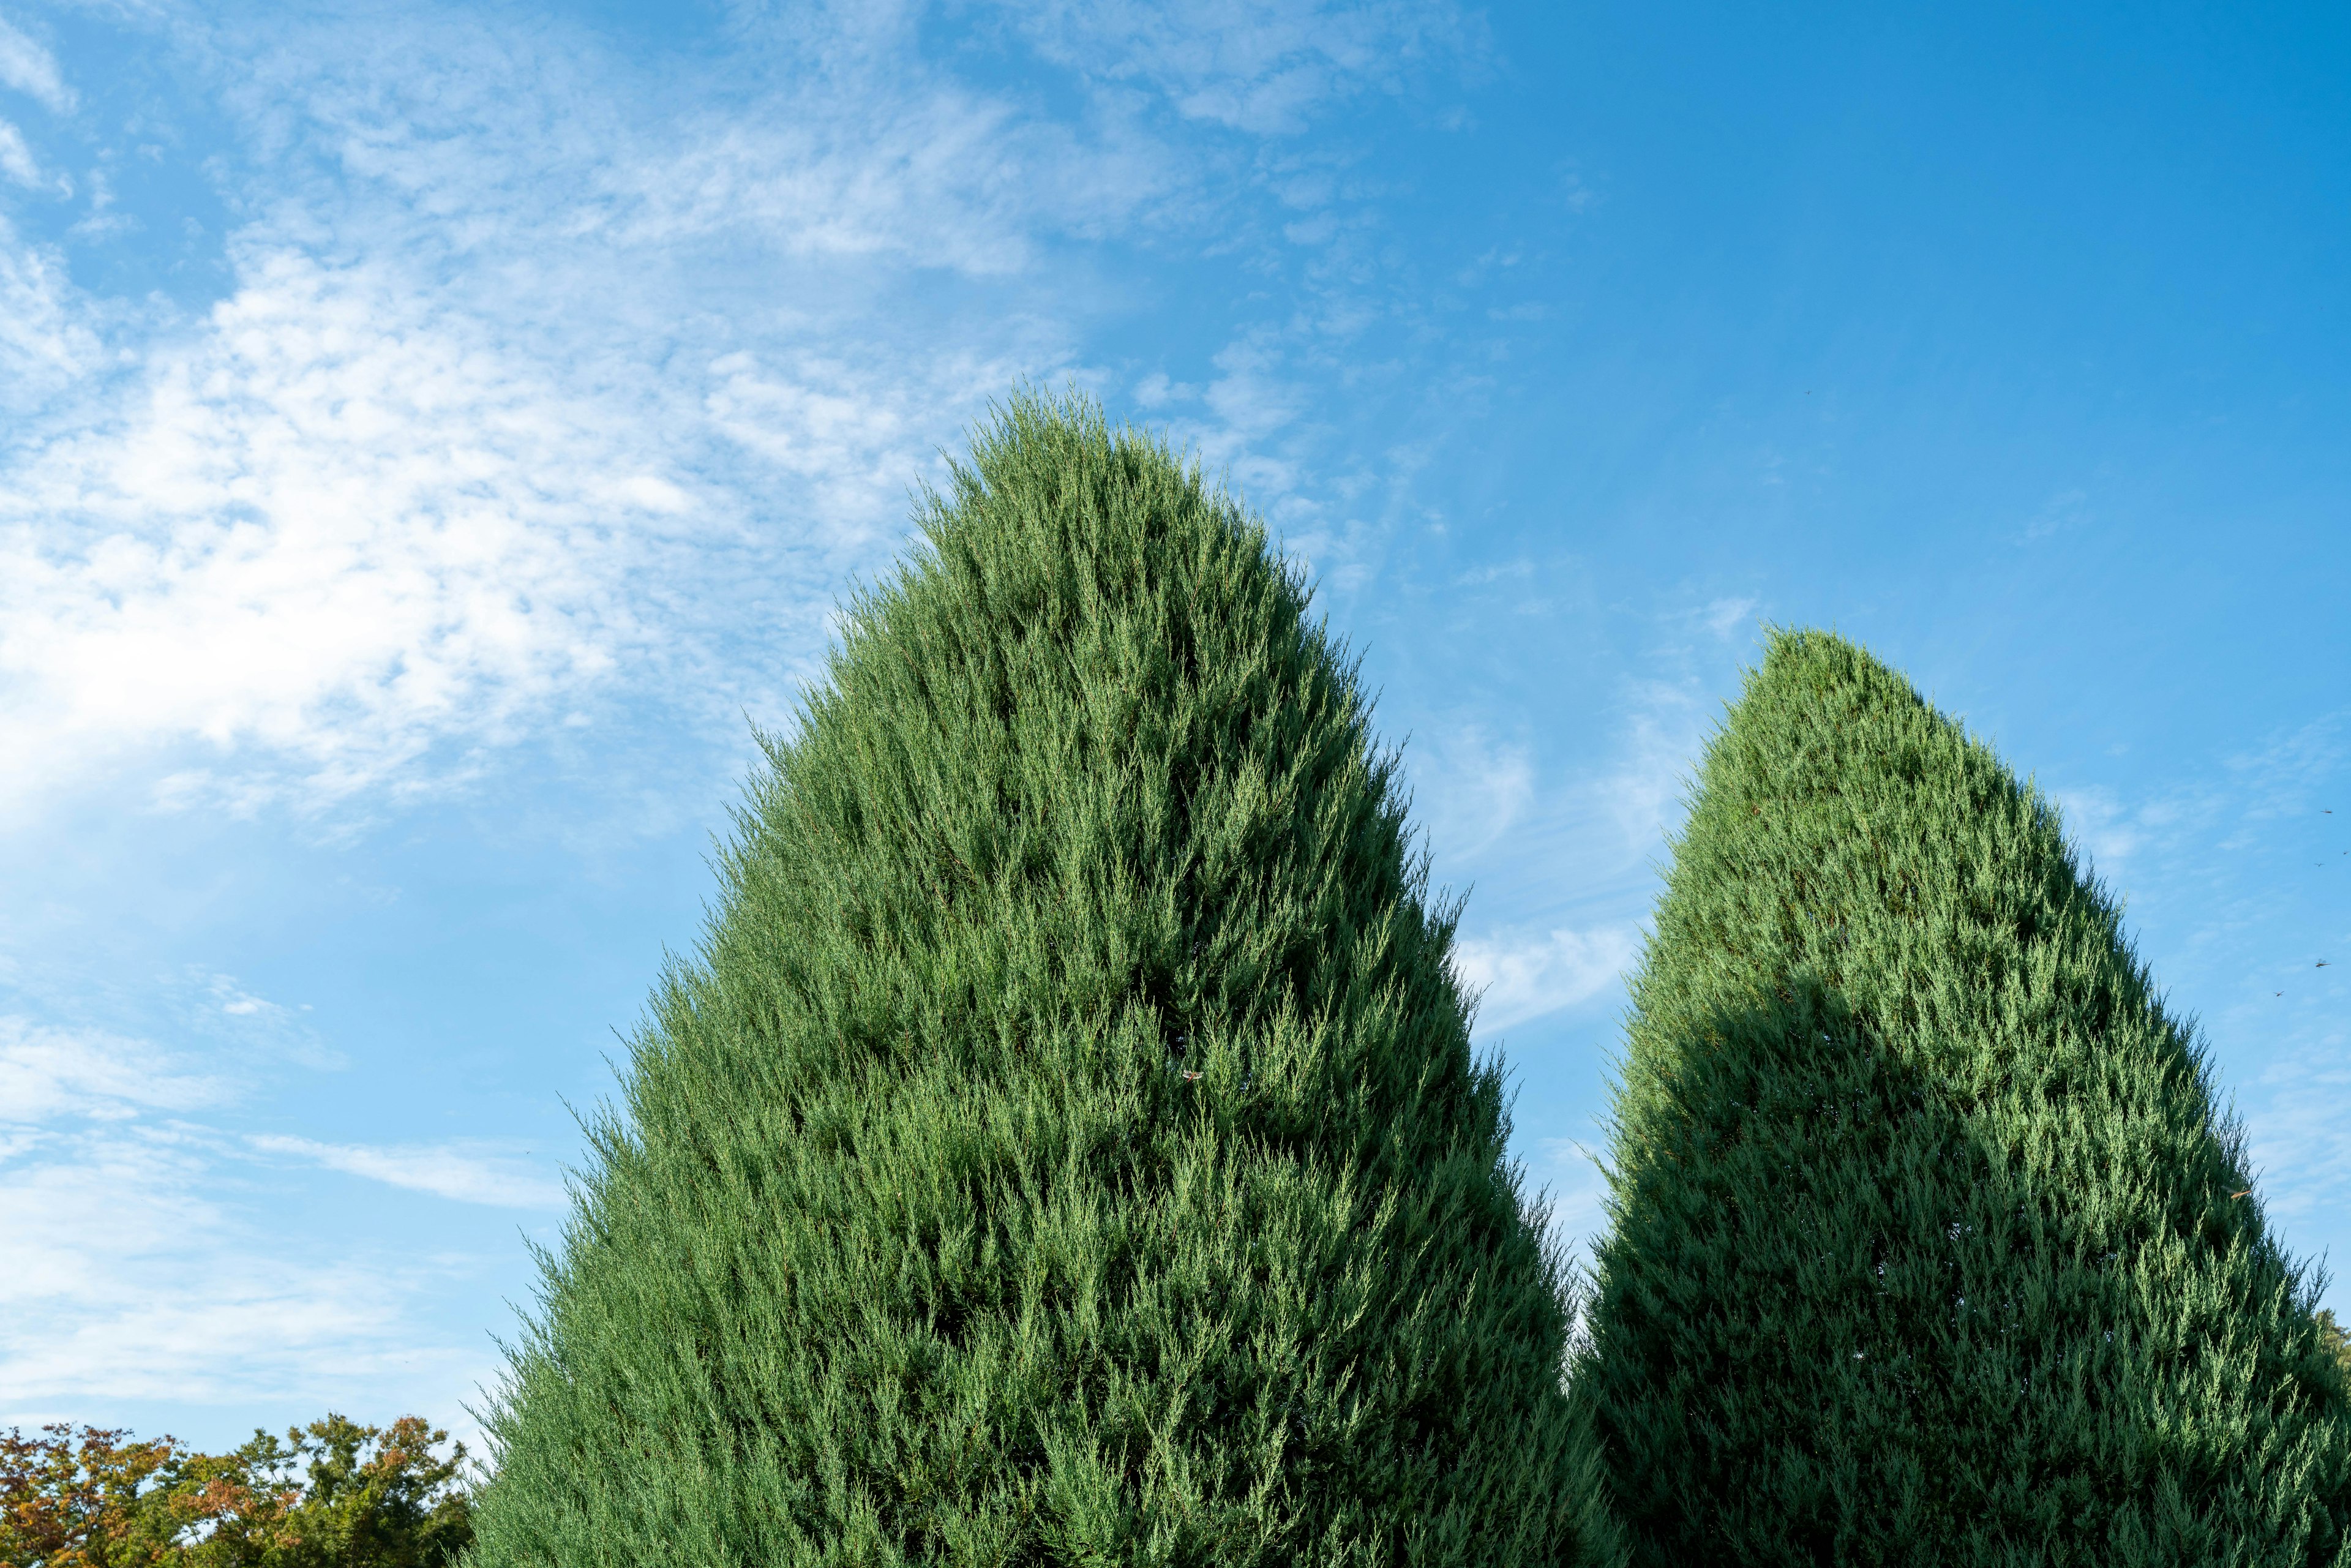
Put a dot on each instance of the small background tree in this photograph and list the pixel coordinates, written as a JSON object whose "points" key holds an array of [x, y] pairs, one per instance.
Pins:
{"points": [[1066, 1145], [335, 1494], [1927, 1243]]}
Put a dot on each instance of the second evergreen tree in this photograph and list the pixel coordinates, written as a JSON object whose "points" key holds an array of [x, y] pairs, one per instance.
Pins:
{"points": [[1929, 1245]]}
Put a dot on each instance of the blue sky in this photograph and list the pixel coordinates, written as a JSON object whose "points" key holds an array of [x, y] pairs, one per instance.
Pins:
{"points": [[429, 435]]}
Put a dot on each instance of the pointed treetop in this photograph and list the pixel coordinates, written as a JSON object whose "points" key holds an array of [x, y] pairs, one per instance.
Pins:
{"points": [[1926, 1242], [1066, 1144]]}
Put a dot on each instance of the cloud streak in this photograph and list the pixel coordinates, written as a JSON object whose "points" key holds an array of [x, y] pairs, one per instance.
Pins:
{"points": [[27, 68], [50, 1074], [130, 1279], [463, 1175], [1522, 976]]}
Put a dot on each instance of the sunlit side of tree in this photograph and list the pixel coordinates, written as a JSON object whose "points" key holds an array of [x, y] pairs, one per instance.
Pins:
{"points": [[1066, 1145]]}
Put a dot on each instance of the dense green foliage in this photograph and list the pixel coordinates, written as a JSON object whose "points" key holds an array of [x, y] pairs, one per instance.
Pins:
{"points": [[1066, 1144], [1929, 1245], [335, 1494]]}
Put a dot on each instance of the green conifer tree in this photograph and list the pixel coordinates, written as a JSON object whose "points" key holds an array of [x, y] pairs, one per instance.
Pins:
{"points": [[1066, 1145], [1928, 1244]]}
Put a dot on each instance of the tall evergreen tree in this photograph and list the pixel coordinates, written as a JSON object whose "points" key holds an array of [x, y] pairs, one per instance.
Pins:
{"points": [[1066, 1144], [1929, 1245]]}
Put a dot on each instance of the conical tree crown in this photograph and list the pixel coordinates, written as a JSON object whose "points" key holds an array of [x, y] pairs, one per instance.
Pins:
{"points": [[1927, 1244], [1066, 1145]]}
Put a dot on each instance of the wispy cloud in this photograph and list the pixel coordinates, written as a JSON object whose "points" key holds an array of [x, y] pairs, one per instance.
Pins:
{"points": [[2102, 828], [2296, 1126], [1724, 616], [2205, 822], [16, 158], [2233, 876], [2061, 512], [1663, 745], [462, 451], [139, 1269], [1264, 67], [131, 1278], [1567, 1172], [337, 527], [47, 338], [1522, 976], [27, 68], [395, 500], [50, 1074], [464, 1174], [2286, 774], [1470, 790]]}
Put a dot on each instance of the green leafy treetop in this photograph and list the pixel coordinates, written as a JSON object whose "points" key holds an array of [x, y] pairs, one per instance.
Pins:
{"points": [[335, 1494], [1929, 1245], [1065, 1147], [2331, 1335], [368, 1498]]}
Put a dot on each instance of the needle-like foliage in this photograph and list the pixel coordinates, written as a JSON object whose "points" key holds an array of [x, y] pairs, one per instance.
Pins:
{"points": [[1066, 1145], [1930, 1244]]}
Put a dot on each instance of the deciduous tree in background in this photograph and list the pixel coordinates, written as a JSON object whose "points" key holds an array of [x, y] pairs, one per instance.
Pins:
{"points": [[335, 1494], [1066, 1144], [2331, 1335], [87, 1501], [365, 1498], [1928, 1244]]}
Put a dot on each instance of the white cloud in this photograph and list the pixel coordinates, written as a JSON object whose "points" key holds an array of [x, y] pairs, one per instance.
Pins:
{"points": [[1521, 569], [1254, 399], [2059, 512], [2197, 828], [129, 1279], [2287, 774], [2102, 828], [33, 70], [466, 1174], [1725, 616], [16, 158], [1523, 975], [827, 137], [465, 451], [335, 526], [843, 429], [137, 1267], [943, 178], [1644, 792], [47, 1074], [1468, 791], [2296, 1131], [1156, 391], [406, 494], [140, 1269], [418, 486], [46, 341]]}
